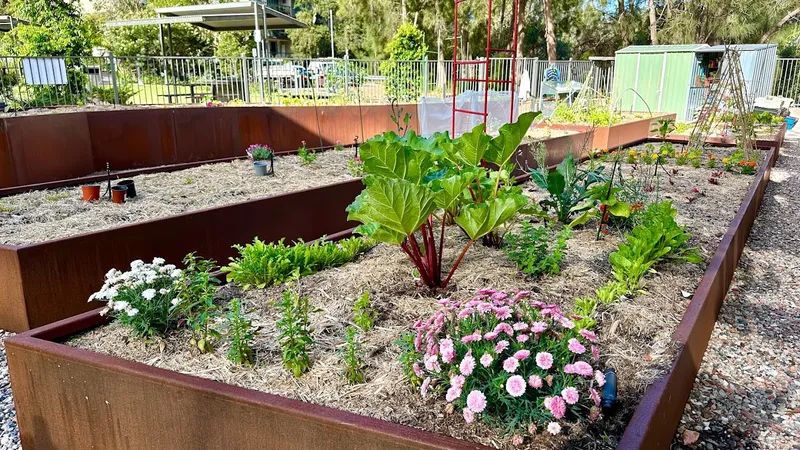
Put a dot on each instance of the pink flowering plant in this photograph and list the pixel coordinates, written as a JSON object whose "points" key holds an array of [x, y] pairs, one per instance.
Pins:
{"points": [[259, 152], [509, 360]]}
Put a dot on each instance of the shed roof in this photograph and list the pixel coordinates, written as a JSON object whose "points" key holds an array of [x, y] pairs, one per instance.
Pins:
{"points": [[680, 48], [235, 16], [739, 47]]}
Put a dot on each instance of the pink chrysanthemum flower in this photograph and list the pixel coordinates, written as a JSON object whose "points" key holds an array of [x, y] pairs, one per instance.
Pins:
{"points": [[589, 335], [570, 395], [476, 401], [432, 363], [566, 323], [469, 416], [503, 313], [474, 337], [538, 327], [504, 328], [519, 296], [579, 368], [517, 440], [417, 370], [510, 365], [499, 296], [523, 338], [553, 428], [535, 381], [466, 312], [515, 386], [502, 345], [423, 390], [484, 307], [457, 381], [490, 336], [595, 396], [452, 394], [595, 353], [599, 378], [467, 365], [522, 355], [576, 347], [556, 406], [486, 360], [520, 326], [544, 360], [444, 302]]}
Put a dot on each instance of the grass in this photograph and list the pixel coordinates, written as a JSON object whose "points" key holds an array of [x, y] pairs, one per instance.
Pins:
{"points": [[56, 197]]}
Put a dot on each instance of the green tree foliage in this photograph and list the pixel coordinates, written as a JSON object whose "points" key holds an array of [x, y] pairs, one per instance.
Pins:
{"points": [[57, 28], [404, 80]]}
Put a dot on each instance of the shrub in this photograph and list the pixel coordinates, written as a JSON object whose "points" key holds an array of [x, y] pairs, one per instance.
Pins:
{"points": [[411, 179], [142, 298], [294, 335], [260, 264], [240, 332], [195, 300], [353, 357], [537, 250], [105, 94], [508, 359]]}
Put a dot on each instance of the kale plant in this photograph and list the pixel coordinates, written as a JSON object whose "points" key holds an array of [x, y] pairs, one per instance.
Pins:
{"points": [[569, 188]]}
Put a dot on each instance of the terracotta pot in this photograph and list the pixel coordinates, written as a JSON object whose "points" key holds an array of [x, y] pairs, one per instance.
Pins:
{"points": [[118, 193], [90, 192]]}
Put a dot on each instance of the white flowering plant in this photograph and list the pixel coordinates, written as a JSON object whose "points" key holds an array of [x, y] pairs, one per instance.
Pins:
{"points": [[142, 298], [511, 361]]}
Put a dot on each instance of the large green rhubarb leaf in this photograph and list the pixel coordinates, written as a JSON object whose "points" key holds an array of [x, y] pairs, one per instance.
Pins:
{"points": [[479, 219], [502, 147], [394, 159], [469, 148], [449, 190], [392, 209]]}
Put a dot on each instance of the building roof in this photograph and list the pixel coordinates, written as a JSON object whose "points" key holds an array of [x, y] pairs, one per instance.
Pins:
{"points": [[236, 16], [692, 48]]}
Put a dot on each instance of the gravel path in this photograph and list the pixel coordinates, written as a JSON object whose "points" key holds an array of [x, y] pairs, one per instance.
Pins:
{"points": [[747, 394], [9, 436]]}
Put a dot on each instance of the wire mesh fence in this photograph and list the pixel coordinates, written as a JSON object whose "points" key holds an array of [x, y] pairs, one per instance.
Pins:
{"points": [[154, 80]]}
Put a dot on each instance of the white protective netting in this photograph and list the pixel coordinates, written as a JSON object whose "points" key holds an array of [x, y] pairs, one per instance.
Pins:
{"points": [[435, 114]]}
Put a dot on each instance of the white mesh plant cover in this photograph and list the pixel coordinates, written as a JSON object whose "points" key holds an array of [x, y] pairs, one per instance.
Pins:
{"points": [[435, 114]]}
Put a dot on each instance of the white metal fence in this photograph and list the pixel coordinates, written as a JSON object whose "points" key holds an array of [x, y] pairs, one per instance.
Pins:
{"points": [[45, 82]]}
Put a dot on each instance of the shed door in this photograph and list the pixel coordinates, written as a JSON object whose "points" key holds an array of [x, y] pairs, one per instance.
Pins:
{"points": [[651, 71]]}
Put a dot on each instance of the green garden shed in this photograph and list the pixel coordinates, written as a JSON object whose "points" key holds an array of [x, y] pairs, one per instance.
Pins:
{"points": [[677, 78]]}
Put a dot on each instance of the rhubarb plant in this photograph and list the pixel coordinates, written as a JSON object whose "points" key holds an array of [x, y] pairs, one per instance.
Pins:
{"points": [[415, 186]]}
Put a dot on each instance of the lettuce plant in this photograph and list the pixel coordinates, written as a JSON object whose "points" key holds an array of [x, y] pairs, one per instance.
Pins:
{"points": [[510, 360], [412, 182]]}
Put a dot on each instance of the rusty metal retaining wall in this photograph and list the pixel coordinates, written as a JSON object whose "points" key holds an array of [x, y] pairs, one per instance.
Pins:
{"points": [[44, 282], [52, 147], [654, 423]]}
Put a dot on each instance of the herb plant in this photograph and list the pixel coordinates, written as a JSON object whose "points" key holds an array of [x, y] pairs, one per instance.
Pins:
{"points": [[195, 301], [363, 314], [306, 155], [506, 359], [664, 127], [294, 334], [240, 333], [353, 357], [538, 250], [260, 264], [568, 186], [409, 357], [412, 182], [142, 298]]}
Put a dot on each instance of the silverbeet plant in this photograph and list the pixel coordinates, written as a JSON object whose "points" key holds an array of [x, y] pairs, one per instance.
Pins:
{"points": [[414, 182], [294, 333]]}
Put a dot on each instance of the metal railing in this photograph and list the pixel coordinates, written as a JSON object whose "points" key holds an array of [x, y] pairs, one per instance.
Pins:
{"points": [[787, 78], [156, 80]]}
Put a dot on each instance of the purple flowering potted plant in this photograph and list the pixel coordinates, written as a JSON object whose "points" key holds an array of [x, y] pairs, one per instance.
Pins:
{"points": [[261, 155], [507, 359]]}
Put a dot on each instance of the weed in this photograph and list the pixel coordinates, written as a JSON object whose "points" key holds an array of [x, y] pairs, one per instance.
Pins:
{"points": [[240, 332], [294, 335], [363, 315], [353, 357]]}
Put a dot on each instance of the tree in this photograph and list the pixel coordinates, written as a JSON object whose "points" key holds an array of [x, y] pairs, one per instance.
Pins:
{"points": [[403, 78], [549, 30], [57, 29], [651, 6]]}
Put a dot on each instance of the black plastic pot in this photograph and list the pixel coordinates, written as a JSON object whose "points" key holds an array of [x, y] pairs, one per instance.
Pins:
{"points": [[131, 192]]}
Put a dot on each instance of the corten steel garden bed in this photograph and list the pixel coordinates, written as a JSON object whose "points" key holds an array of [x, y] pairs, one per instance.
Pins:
{"points": [[55, 147], [776, 141], [47, 281], [103, 400], [619, 135]]}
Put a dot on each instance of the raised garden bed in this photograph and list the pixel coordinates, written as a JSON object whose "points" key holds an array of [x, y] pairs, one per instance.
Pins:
{"points": [[164, 408], [43, 215], [765, 139], [54, 147], [622, 134]]}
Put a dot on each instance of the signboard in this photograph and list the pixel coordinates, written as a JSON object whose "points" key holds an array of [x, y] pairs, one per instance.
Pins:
{"points": [[44, 71]]}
